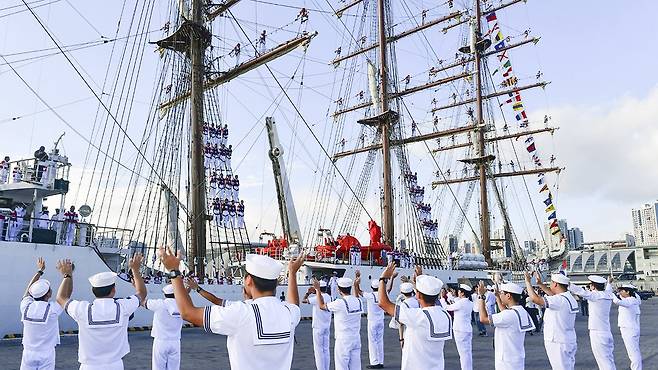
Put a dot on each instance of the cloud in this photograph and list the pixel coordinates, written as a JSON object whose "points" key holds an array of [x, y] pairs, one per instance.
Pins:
{"points": [[610, 150]]}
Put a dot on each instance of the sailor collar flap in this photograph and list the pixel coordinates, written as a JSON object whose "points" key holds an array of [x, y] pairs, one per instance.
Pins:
{"points": [[103, 314], [36, 312], [272, 323], [440, 324], [353, 308], [525, 322], [571, 301]]}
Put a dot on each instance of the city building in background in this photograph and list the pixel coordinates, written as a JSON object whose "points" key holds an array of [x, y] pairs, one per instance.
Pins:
{"points": [[645, 224]]}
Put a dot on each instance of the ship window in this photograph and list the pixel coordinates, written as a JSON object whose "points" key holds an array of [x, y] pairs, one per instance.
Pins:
{"points": [[589, 265]]}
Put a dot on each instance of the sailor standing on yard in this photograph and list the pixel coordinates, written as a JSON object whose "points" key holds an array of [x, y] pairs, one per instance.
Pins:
{"points": [[463, 330], [599, 299], [167, 324], [375, 326], [511, 324], [321, 326], [559, 319], [347, 311], [40, 323], [428, 326], [103, 323], [260, 332], [629, 323]]}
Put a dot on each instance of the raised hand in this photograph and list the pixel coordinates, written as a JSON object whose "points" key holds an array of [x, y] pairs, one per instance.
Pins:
{"points": [[295, 264], [191, 283], [418, 270], [389, 271], [65, 267], [527, 276], [316, 284], [357, 274], [481, 289], [41, 264], [135, 261], [169, 260]]}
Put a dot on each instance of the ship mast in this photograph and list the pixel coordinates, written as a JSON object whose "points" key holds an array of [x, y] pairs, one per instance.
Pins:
{"points": [[385, 121], [197, 250], [479, 122]]}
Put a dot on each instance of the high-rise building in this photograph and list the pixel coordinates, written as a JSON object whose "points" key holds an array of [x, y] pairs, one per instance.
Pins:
{"points": [[453, 243], [645, 224], [575, 239], [530, 246]]}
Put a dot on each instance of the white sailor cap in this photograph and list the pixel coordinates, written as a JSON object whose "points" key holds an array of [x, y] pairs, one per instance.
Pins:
{"points": [[263, 267], [39, 288], [429, 285], [406, 288], [465, 287], [345, 282], [511, 288], [560, 279], [628, 286], [168, 289], [596, 279], [374, 284], [323, 284], [103, 279]]}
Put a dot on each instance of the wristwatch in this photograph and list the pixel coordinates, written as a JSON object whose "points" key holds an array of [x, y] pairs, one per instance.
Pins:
{"points": [[40, 272], [198, 289], [67, 276], [173, 274], [383, 279]]}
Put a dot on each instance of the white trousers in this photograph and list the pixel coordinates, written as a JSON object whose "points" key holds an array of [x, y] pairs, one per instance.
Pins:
{"points": [[631, 339], [70, 233], [321, 348], [376, 341], [603, 346], [38, 360], [347, 354], [464, 340], [561, 356], [509, 365], [166, 355], [118, 365]]}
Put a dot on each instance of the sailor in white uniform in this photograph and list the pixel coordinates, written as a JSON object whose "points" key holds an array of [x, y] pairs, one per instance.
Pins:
{"points": [[629, 323], [167, 324], [347, 311], [40, 323], [511, 324], [490, 300], [375, 326], [428, 326], [599, 299], [462, 309], [560, 312], [260, 332], [408, 300], [103, 323], [321, 326], [333, 285]]}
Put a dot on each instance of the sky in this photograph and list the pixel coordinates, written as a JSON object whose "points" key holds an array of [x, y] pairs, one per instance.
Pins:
{"points": [[598, 56]]}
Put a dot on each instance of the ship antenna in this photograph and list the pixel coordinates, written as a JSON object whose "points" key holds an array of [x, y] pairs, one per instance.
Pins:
{"points": [[59, 139]]}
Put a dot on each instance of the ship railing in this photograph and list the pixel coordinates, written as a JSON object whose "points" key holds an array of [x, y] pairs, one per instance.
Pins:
{"points": [[62, 232], [52, 174]]}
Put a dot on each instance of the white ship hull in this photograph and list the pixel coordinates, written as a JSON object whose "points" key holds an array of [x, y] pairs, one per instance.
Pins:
{"points": [[20, 266]]}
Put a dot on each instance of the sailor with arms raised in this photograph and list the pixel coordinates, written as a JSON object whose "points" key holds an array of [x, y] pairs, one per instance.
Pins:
{"points": [[40, 323], [511, 324], [375, 326], [463, 330], [599, 299], [260, 332], [629, 322], [321, 326], [347, 311], [559, 319], [103, 323], [167, 324], [427, 327]]}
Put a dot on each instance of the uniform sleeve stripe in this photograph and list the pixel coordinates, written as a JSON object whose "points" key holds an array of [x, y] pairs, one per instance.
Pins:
{"points": [[66, 306], [206, 319], [546, 302]]}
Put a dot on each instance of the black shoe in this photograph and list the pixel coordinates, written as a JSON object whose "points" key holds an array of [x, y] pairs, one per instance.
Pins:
{"points": [[378, 366]]}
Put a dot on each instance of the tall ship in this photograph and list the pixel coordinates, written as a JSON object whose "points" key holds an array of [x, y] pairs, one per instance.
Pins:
{"points": [[405, 138]]}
